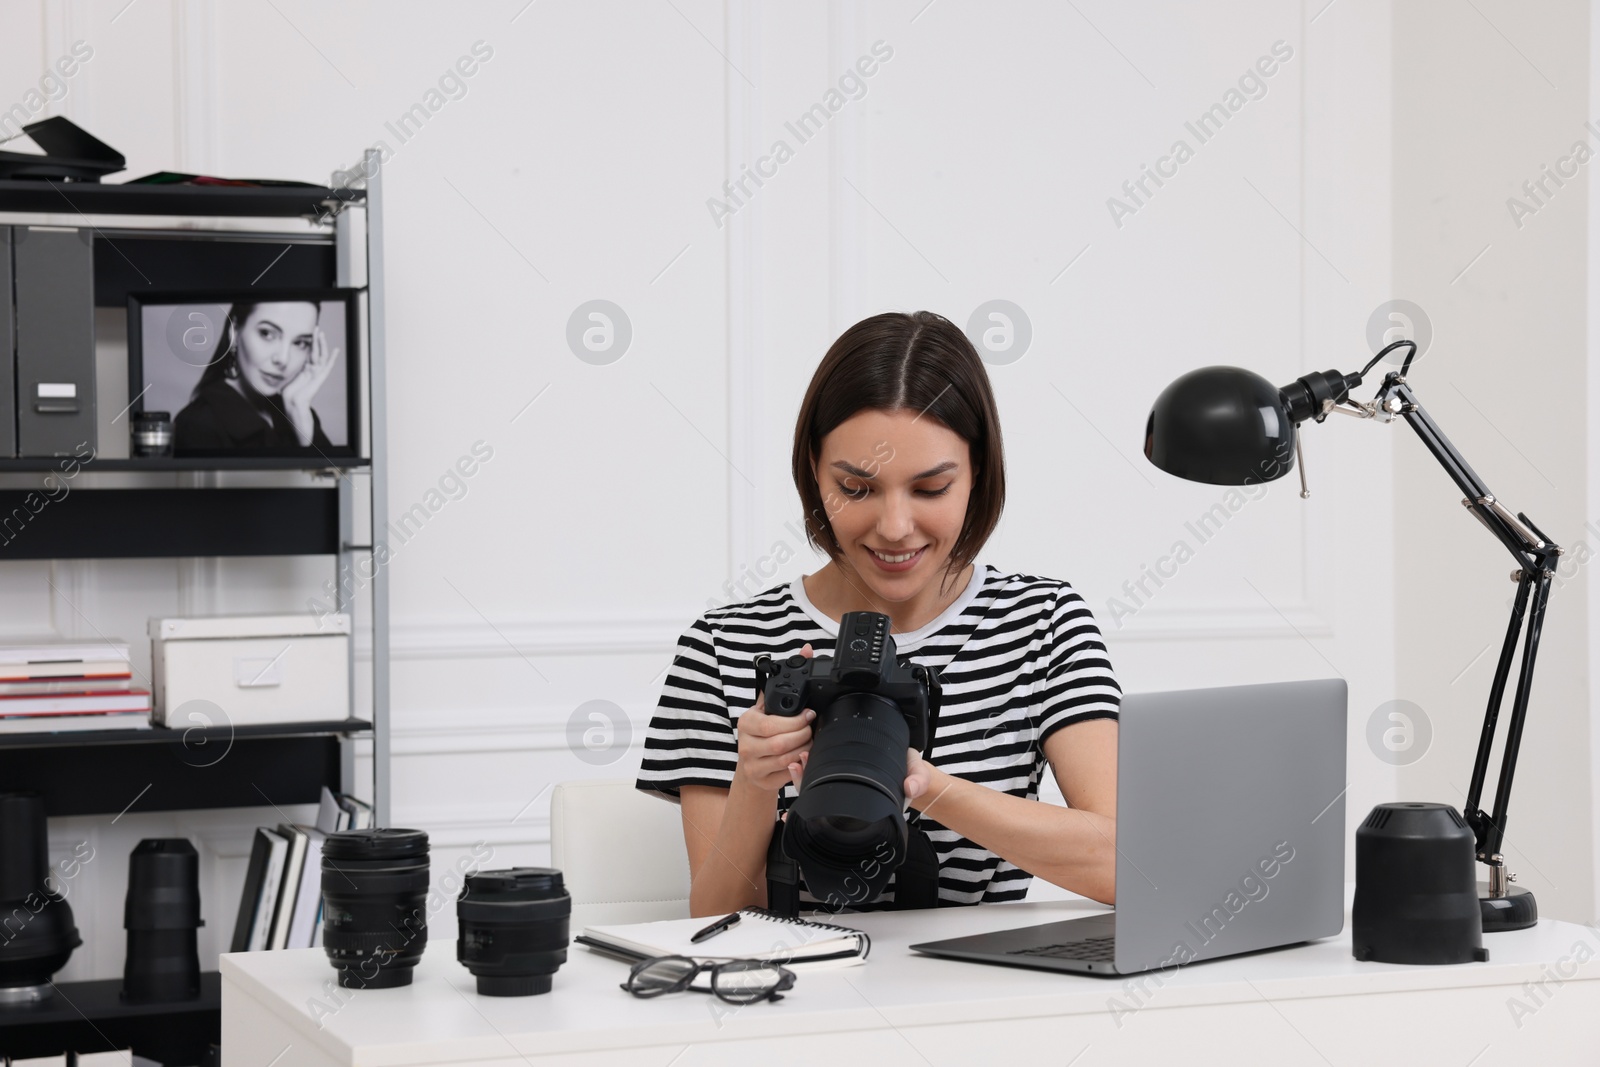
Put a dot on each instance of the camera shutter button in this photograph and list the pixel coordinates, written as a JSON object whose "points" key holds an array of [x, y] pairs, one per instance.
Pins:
{"points": [[796, 661]]}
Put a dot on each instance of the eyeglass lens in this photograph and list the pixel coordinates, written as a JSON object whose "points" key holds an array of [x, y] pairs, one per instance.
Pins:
{"points": [[746, 980], [669, 974]]}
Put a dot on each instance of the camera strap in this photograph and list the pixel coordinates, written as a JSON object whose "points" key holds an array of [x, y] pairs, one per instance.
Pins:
{"points": [[916, 881], [783, 878]]}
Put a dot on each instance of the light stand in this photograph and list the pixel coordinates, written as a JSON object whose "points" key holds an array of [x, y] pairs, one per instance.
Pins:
{"points": [[1227, 426]]}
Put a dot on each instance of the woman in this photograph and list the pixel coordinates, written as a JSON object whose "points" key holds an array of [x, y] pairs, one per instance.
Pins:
{"points": [[898, 460], [256, 392]]}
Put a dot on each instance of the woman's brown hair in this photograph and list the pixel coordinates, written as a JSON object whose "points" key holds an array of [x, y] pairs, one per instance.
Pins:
{"points": [[920, 362]]}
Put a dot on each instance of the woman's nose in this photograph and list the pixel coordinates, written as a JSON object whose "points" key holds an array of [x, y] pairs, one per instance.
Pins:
{"points": [[894, 521], [279, 356]]}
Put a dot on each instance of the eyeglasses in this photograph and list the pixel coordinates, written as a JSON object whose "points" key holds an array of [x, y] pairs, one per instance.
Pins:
{"points": [[735, 981]]}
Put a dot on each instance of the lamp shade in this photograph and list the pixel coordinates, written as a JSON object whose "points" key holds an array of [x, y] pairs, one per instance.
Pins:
{"points": [[1222, 425]]}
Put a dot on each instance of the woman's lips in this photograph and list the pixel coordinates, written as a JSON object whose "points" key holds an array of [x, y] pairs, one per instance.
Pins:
{"points": [[897, 568]]}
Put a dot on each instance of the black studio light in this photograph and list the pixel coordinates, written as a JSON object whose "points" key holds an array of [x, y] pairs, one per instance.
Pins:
{"points": [[1229, 426], [37, 934]]}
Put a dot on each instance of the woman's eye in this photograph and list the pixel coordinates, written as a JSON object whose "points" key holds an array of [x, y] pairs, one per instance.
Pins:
{"points": [[858, 493]]}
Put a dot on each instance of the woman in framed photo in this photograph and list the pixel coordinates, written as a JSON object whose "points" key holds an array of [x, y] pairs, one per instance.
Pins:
{"points": [[271, 360]]}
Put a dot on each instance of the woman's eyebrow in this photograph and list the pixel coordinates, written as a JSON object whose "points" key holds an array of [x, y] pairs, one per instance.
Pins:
{"points": [[851, 468]]}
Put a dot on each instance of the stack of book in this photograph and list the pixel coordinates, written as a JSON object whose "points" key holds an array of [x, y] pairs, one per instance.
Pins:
{"points": [[53, 685], [281, 906]]}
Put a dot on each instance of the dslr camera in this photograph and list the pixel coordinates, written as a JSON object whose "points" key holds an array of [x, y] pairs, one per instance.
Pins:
{"points": [[847, 830]]}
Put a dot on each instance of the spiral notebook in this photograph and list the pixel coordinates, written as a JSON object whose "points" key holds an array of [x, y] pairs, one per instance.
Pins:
{"points": [[760, 935]]}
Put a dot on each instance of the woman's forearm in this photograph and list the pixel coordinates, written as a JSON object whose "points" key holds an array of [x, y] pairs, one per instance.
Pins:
{"points": [[1069, 847], [734, 873]]}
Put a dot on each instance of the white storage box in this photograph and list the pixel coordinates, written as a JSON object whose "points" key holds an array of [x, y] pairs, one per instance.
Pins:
{"points": [[258, 669]]}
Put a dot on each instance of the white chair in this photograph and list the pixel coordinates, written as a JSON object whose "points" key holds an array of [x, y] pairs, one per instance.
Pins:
{"points": [[620, 852]]}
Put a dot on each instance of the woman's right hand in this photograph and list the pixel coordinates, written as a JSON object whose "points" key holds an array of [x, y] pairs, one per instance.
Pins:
{"points": [[299, 391], [770, 744]]}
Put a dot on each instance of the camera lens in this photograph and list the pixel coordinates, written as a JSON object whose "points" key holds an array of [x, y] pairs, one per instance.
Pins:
{"points": [[374, 918], [513, 929], [846, 830], [151, 434], [162, 914]]}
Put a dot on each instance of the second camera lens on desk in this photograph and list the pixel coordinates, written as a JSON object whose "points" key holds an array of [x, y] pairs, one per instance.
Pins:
{"points": [[513, 929], [375, 892]]}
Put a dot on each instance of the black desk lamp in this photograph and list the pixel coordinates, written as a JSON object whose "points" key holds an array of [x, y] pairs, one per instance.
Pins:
{"points": [[1228, 426]]}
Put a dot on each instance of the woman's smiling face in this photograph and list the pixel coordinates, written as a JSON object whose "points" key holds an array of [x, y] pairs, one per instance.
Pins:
{"points": [[274, 343], [895, 484]]}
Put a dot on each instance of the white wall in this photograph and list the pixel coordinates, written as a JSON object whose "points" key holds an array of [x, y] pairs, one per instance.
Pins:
{"points": [[976, 166], [1483, 100]]}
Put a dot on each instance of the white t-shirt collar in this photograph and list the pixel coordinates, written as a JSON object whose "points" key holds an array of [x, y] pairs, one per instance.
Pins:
{"points": [[903, 642]]}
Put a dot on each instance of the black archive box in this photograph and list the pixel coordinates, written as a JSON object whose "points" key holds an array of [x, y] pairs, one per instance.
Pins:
{"points": [[53, 278]]}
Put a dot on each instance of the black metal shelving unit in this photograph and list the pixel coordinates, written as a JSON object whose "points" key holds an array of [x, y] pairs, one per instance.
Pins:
{"points": [[162, 523], [92, 1017], [109, 772], [209, 201], [106, 772], [160, 464]]}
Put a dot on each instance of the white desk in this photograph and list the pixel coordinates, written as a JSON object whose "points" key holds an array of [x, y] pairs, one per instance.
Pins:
{"points": [[1312, 1004]]}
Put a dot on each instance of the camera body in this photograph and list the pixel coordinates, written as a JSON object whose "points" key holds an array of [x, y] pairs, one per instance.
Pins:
{"points": [[864, 662]]}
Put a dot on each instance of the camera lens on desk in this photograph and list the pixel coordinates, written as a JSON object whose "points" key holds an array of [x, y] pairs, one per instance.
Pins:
{"points": [[151, 434], [513, 929], [375, 892], [162, 915]]}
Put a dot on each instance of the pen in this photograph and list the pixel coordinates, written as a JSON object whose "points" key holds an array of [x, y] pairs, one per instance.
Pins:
{"points": [[726, 923]]}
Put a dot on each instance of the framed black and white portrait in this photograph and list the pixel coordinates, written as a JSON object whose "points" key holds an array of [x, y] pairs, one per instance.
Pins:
{"points": [[249, 373]]}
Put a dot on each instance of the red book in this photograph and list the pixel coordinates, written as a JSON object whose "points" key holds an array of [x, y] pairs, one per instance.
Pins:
{"points": [[67, 686], [79, 703]]}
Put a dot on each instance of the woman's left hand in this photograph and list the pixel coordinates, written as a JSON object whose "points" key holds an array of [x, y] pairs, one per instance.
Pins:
{"points": [[923, 785], [297, 394]]}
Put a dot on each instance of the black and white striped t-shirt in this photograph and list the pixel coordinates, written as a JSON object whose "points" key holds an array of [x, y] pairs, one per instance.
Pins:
{"points": [[1019, 658]]}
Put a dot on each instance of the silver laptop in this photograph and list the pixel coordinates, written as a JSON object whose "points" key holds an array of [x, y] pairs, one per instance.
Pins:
{"points": [[1230, 835]]}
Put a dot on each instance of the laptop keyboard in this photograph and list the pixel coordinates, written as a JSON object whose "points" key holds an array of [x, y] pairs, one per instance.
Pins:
{"points": [[1090, 948]]}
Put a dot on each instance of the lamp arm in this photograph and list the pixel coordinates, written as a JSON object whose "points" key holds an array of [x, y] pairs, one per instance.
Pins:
{"points": [[1536, 556], [1489, 831], [1526, 546]]}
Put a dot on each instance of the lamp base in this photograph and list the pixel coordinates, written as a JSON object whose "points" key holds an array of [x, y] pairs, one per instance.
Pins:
{"points": [[1517, 910]]}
